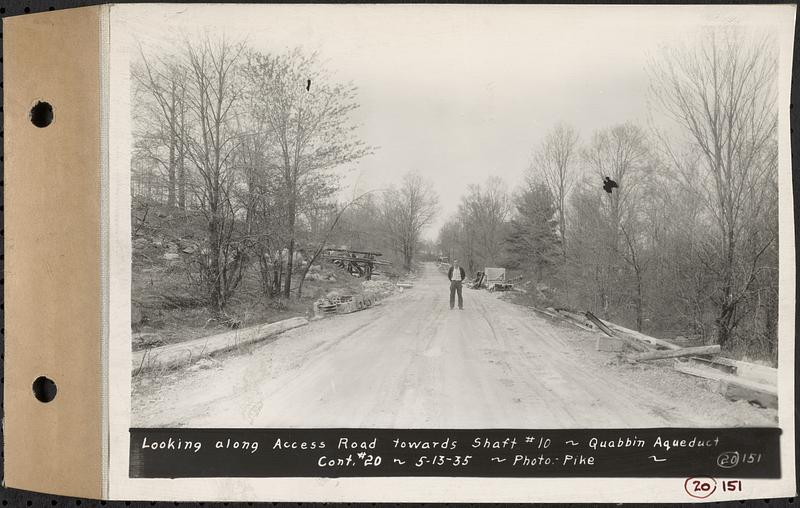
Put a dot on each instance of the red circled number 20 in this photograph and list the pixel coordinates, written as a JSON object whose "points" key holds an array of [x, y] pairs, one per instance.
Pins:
{"points": [[700, 487]]}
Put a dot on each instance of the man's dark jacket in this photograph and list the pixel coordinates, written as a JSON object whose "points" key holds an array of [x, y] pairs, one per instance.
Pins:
{"points": [[450, 273]]}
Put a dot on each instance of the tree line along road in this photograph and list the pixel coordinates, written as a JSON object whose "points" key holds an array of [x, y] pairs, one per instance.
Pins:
{"points": [[414, 363]]}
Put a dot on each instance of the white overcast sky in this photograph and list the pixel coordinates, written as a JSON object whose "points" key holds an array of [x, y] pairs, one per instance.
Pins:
{"points": [[459, 92]]}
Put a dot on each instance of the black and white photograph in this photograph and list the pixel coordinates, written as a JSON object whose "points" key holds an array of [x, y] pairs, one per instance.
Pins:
{"points": [[451, 252], [478, 222]]}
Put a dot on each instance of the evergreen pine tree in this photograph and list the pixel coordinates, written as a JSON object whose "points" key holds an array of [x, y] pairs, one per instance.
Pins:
{"points": [[533, 243]]}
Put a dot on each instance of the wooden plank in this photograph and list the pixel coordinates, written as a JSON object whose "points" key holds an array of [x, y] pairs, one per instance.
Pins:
{"points": [[562, 319], [712, 364], [641, 337], [182, 353], [355, 252], [576, 320], [674, 353], [733, 387], [356, 260], [737, 391], [546, 313], [599, 324], [751, 371]]}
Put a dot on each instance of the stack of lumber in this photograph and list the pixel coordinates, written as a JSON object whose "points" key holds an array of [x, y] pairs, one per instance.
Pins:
{"points": [[345, 304], [734, 379], [354, 304]]}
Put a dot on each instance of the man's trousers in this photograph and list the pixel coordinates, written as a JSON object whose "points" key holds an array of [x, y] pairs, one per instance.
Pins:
{"points": [[455, 287]]}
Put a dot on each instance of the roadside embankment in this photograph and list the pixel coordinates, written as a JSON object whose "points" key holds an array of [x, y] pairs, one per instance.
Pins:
{"points": [[184, 353]]}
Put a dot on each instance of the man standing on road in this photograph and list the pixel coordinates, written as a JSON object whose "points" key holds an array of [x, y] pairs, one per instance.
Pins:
{"points": [[456, 275]]}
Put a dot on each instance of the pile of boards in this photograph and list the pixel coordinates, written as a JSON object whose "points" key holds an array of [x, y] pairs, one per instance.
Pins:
{"points": [[372, 291], [734, 379], [344, 304]]}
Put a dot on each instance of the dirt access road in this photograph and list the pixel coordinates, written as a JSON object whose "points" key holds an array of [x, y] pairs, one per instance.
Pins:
{"points": [[414, 363]]}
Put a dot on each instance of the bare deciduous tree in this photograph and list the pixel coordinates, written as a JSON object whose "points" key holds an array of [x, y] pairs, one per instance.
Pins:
{"points": [[490, 208], [721, 93], [163, 81], [555, 163], [261, 198], [212, 91], [483, 225], [308, 116], [406, 212], [449, 239], [622, 154]]}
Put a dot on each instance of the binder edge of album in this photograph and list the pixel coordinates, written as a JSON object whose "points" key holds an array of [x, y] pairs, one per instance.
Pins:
{"points": [[55, 250]]}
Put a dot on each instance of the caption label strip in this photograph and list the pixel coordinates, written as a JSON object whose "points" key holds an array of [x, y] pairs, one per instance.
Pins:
{"points": [[262, 453]]}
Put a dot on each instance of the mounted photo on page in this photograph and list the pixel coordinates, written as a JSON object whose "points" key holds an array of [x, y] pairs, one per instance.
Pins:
{"points": [[448, 253]]}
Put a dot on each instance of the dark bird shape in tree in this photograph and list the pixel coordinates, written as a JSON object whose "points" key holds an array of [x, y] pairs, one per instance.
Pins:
{"points": [[308, 85], [609, 184]]}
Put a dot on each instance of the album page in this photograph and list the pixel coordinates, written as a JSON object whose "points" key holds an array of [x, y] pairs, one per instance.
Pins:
{"points": [[458, 253]]}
